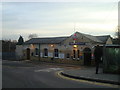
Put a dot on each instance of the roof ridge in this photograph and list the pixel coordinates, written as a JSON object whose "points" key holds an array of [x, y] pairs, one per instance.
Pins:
{"points": [[47, 40], [50, 37], [102, 35]]}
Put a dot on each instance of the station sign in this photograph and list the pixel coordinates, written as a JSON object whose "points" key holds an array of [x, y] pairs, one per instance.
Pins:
{"points": [[77, 43]]}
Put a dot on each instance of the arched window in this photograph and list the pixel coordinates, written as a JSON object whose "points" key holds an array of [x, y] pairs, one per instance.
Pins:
{"points": [[36, 51], [74, 54], [46, 52], [56, 52]]}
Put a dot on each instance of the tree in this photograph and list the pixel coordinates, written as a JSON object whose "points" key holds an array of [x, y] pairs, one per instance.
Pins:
{"points": [[8, 46], [20, 40], [32, 36]]}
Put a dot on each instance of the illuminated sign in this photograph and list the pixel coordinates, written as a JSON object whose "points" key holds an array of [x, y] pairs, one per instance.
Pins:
{"points": [[77, 43]]}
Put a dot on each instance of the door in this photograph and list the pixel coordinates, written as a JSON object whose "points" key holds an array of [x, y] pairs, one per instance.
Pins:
{"points": [[28, 53], [87, 56]]}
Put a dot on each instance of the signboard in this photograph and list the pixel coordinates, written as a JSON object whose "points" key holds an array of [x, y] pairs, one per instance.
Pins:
{"points": [[61, 55], [50, 54], [77, 43]]}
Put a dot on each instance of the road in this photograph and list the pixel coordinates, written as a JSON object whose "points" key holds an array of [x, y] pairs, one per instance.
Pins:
{"points": [[16, 74]]}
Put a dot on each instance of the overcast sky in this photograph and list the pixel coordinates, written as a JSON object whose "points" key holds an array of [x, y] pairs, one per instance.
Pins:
{"points": [[52, 19]]}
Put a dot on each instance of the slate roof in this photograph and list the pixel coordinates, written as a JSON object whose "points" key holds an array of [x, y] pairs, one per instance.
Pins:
{"points": [[57, 40], [99, 39], [93, 38], [51, 40], [103, 38]]}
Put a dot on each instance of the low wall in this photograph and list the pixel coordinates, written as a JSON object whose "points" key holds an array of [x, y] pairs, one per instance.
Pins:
{"points": [[57, 60]]}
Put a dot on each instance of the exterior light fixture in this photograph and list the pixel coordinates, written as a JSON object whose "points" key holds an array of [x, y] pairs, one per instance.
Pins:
{"points": [[75, 46], [51, 45], [32, 46]]}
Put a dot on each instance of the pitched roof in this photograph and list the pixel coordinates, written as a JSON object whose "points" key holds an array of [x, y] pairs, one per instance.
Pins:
{"points": [[103, 38], [51, 40], [57, 40], [99, 39], [93, 38]]}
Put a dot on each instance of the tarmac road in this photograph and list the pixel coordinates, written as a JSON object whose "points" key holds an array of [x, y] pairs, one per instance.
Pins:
{"points": [[17, 74]]}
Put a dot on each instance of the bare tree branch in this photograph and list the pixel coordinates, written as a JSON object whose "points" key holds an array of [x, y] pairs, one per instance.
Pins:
{"points": [[32, 36]]}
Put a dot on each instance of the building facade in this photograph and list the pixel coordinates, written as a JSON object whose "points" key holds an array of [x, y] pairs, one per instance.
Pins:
{"points": [[77, 48]]}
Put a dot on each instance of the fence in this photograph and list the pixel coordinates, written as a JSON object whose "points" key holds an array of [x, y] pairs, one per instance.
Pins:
{"points": [[8, 56]]}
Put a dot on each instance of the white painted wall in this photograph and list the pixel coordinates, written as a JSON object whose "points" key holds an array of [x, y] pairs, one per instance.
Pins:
{"points": [[19, 52]]}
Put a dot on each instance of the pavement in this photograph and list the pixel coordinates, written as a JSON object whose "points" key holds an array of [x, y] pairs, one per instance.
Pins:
{"points": [[88, 73]]}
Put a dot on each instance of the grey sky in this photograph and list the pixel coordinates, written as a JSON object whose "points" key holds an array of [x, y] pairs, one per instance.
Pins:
{"points": [[58, 18]]}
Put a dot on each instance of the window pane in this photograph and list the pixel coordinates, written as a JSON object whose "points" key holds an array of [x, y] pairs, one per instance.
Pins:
{"points": [[36, 51], [45, 52], [68, 55], [56, 52]]}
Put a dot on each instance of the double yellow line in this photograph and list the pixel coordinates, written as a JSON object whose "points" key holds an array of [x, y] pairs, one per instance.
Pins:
{"points": [[85, 81]]}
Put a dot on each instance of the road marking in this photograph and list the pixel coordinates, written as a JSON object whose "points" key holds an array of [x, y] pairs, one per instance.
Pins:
{"points": [[85, 81], [48, 70]]}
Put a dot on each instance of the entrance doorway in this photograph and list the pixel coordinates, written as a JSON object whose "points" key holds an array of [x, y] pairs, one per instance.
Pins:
{"points": [[87, 56], [28, 53]]}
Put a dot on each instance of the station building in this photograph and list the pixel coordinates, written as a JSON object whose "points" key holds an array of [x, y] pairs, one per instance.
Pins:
{"points": [[75, 49]]}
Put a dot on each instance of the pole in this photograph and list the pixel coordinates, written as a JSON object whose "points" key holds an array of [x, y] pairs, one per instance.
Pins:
{"points": [[39, 52]]}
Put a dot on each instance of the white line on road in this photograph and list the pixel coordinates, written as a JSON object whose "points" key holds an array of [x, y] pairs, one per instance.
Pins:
{"points": [[48, 70]]}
